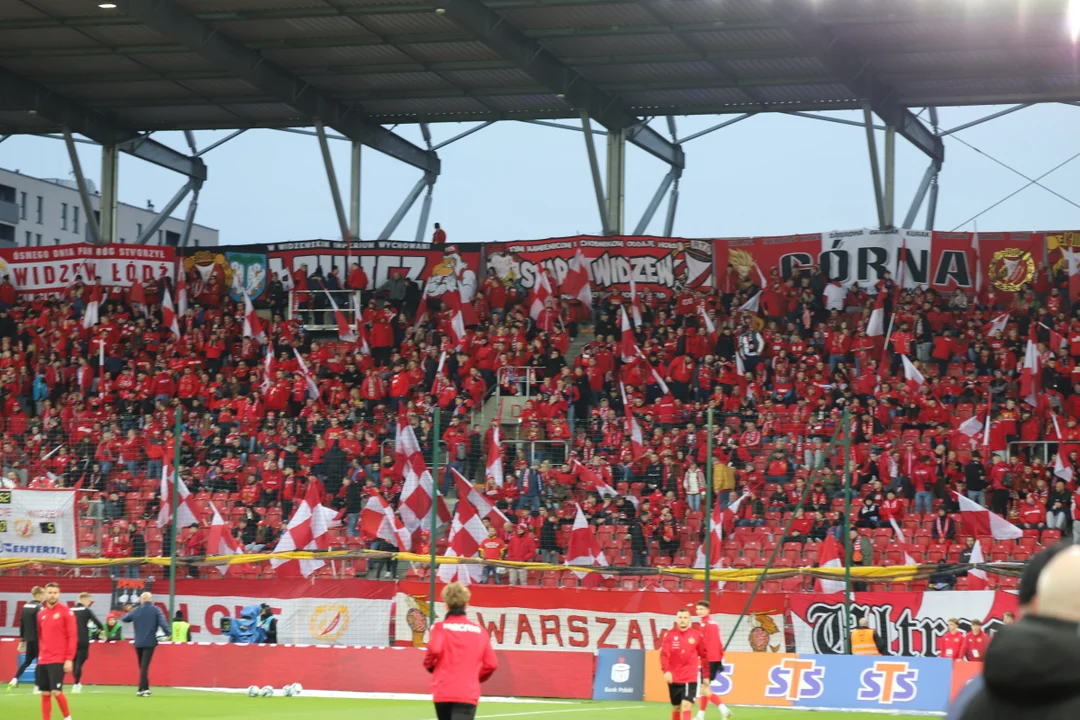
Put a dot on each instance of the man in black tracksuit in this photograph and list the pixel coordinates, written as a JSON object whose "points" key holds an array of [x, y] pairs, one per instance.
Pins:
{"points": [[28, 632], [83, 617]]}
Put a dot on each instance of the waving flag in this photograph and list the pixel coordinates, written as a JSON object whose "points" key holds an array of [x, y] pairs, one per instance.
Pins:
{"points": [[637, 437], [312, 386], [977, 520], [181, 291], [252, 324], [1030, 371], [346, 333], [628, 348], [995, 326], [908, 560], [876, 325], [168, 314], [1062, 468], [91, 315], [268, 368], [417, 491], [716, 527], [976, 578], [635, 300], [912, 377], [494, 458], [308, 529], [710, 327], [584, 549], [457, 319], [576, 283], [753, 304], [378, 520], [220, 541], [361, 332], [655, 375], [467, 531], [829, 556], [541, 292], [185, 513]]}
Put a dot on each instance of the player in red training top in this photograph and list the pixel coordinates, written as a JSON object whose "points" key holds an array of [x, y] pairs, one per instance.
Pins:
{"points": [[58, 639], [951, 644], [976, 643], [460, 655], [681, 657], [714, 649]]}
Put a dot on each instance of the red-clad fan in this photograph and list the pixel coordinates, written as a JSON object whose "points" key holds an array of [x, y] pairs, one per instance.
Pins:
{"points": [[710, 670], [681, 658], [58, 639], [976, 643], [952, 645], [460, 656]]}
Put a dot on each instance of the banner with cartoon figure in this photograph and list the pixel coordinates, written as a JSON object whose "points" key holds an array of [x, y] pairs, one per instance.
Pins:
{"points": [[659, 266], [38, 524]]}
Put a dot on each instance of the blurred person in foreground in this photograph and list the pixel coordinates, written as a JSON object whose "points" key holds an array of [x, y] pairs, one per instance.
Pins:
{"points": [[1030, 668], [147, 619], [58, 640], [460, 656]]}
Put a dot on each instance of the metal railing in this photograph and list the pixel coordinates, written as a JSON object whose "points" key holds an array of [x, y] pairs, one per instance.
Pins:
{"points": [[1043, 446], [312, 307]]}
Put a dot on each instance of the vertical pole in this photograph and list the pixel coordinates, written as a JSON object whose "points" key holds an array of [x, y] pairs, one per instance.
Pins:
{"points": [[84, 191], [594, 166], [847, 530], [672, 208], [434, 518], [425, 214], [890, 174], [708, 498], [616, 180], [354, 194], [871, 144], [110, 169], [931, 204], [175, 510], [331, 178]]}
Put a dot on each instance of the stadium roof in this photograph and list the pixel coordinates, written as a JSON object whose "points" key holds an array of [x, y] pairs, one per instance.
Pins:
{"points": [[359, 65]]}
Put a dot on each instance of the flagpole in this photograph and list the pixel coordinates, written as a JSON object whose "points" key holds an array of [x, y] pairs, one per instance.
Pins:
{"points": [[708, 497], [433, 535], [175, 510], [847, 530]]}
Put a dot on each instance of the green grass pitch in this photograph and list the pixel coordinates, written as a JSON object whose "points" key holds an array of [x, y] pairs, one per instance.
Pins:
{"points": [[109, 703]]}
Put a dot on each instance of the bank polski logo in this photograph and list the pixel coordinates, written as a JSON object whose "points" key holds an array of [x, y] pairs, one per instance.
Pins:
{"points": [[721, 684], [888, 682], [796, 679], [620, 671]]}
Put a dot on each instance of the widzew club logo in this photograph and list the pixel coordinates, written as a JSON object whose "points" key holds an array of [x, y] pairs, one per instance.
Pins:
{"points": [[888, 682], [796, 679]]}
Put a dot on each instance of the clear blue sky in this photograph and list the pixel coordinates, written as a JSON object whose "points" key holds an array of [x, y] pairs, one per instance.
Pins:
{"points": [[767, 175]]}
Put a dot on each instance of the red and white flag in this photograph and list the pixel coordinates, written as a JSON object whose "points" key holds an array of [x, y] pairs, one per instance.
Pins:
{"points": [[710, 326], [876, 324], [346, 333], [378, 520], [168, 314], [181, 291], [1030, 371], [716, 527], [637, 437], [268, 368], [976, 578], [576, 283], [635, 300], [995, 326], [753, 304], [908, 560], [1072, 267], [312, 386], [1062, 469], [830, 555], [484, 508], [252, 324], [592, 480], [457, 319], [185, 508], [91, 315], [467, 531], [417, 490], [308, 529], [978, 263], [541, 293], [361, 331], [494, 457], [912, 377], [220, 541], [628, 348], [655, 375], [977, 520], [584, 549]]}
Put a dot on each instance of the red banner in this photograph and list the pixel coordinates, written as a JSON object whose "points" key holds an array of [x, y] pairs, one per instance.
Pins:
{"points": [[910, 622], [54, 269], [660, 266], [519, 618]]}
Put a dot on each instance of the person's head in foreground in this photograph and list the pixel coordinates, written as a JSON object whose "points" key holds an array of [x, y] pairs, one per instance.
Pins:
{"points": [[702, 608], [52, 594], [682, 619], [456, 598]]}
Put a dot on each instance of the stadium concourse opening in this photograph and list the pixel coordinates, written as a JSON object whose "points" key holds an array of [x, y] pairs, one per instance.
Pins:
{"points": [[810, 432]]}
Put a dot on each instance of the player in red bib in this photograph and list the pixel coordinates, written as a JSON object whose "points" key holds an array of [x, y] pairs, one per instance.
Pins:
{"points": [[976, 643], [951, 645], [714, 666], [460, 657], [681, 657], [58, 639]]}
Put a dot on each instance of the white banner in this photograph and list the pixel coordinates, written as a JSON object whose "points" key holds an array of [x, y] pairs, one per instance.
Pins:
{"points": [[37, 524], [862, 256], [54, 269]]}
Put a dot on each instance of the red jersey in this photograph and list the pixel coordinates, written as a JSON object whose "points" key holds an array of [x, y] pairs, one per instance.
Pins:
{"points": [[714, 646], [975, 646], [460, 656], [682, 654], [952, 645], [57, 636]]}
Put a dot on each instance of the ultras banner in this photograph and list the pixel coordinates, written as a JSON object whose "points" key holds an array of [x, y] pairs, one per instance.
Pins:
{"points": [[910, 622], [38, 524], [329, 612], [659, 266], [54, 269], [523, 618]]}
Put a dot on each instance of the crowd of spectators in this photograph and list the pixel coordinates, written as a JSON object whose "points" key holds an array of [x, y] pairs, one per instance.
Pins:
{"points": [[778, 381]]}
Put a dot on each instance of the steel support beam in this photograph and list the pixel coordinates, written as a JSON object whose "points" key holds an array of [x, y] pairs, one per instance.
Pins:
{"points": [[404, 208], [931, 205], [203, 39], [425, 213], [189, 218], [826, 118], [354, 191], [654, 204], [221, 142], [510, 43], [616, 181], [166, 211], [110, 172], [84, 190], [331, 178], [673, 206], [597, 179], [714, 128], [920, 195], [890, 176], [465, 134], [980, 121], [20, 92], [875, 172], [855, 72], [560, 126]]}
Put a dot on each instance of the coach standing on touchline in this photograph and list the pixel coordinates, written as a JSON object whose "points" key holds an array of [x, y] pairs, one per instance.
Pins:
{"points": [[146, 620]]}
